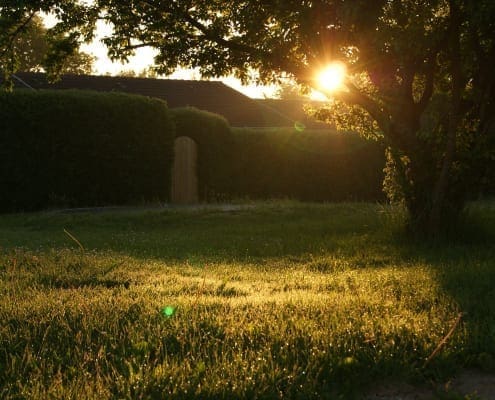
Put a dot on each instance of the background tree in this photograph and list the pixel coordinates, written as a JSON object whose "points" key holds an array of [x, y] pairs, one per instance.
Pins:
{"points": [[143, 73], [32, 47], [24, 41], [291, 91]]}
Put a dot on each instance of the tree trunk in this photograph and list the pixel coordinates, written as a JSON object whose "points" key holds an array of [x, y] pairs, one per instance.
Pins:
{"points": [[419, 181], [441, 185], [431, 220]]}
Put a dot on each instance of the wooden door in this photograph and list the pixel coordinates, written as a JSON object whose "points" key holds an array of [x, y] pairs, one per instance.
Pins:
{"points": [[184, 172]]}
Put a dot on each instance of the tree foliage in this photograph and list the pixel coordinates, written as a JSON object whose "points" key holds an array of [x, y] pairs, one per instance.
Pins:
{"points": [[19, 21], [33, 48], [291, 91]]}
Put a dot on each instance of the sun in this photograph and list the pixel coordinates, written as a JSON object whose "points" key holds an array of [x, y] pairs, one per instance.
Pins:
{"points": [[331, 77]]}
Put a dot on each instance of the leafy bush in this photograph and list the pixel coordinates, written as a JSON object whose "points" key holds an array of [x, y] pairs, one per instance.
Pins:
{"points": [[313, 165], [213, 136], [81, 148]]}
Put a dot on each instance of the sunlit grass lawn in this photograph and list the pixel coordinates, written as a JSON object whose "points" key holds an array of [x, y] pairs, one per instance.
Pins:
{"points": [[275, 300]]}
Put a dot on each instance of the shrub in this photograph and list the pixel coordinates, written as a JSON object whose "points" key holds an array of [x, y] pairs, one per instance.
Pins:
{"points": [[213, 135], [81, 148], [315, 165]]}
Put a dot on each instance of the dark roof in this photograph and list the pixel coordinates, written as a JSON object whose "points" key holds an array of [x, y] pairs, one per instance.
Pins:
{"points": [[294, 111], [213, 96]]}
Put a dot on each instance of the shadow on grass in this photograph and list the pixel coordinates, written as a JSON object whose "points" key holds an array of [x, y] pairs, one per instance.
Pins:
{"points": [[205, 235], [464, 265]]}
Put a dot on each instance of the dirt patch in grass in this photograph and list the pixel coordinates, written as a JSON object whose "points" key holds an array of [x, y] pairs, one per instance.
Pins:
{"points": [[469, 384]]}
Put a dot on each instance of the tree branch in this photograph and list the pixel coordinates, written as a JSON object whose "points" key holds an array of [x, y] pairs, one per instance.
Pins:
{"points": [[231, 45], [208, 34], [355, 96], [407, 83], [483, 80], [429, 85], [430, 72], [140, 45]]}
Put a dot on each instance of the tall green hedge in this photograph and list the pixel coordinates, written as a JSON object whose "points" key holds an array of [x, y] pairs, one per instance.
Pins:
{"points": [[213, 135], [81, 148], [314, 165]]}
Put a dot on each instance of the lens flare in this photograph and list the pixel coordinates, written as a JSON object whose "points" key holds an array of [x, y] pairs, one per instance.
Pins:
{"points": [[168, 311], [332, 77], [299, 126]]}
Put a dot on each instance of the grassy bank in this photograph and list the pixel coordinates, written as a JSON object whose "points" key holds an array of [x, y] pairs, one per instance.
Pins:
{"points": [[275, 300]]}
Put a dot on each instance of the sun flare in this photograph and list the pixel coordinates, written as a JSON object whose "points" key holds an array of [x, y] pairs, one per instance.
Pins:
{"points": [[332, 77]]}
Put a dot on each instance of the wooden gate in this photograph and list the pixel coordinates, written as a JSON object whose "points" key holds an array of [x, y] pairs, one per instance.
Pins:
{"points": [[184, 172]]}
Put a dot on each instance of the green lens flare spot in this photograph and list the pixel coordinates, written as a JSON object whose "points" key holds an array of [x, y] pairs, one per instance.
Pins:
{"points": [[349, 361], [168, 311], [299, 126]]}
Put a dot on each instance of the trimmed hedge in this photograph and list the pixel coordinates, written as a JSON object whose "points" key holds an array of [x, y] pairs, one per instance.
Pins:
{"points": [[314, 165], [82, 148], [213, 135], [311, 165]]}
